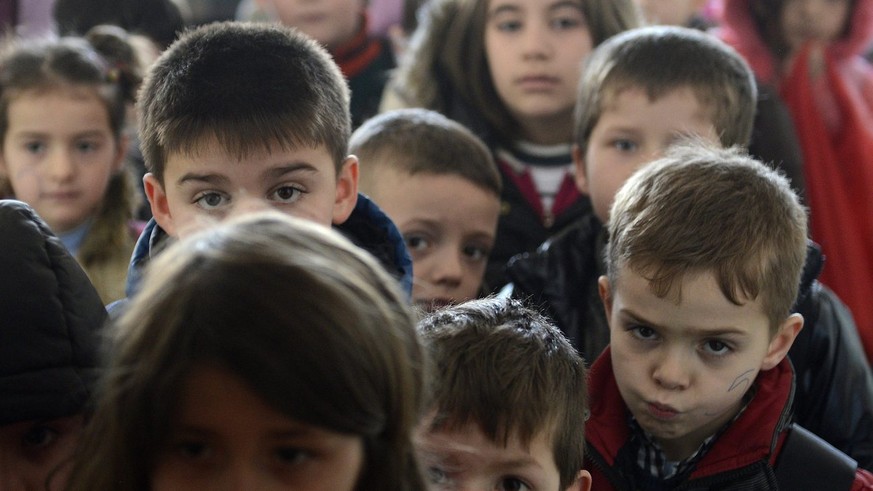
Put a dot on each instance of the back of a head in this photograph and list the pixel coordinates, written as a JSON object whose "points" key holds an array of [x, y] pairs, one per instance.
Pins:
{"points": [[310, 323], [705, 209], [662, 59], [245, 87], [413, 141], [505, 367], [50, 322]]}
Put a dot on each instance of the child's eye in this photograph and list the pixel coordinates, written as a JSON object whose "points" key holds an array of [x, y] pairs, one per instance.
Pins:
{"points": [[476, 253], [287, 194], [39, 437], [716, 347], [210, 200], [512, 484], [643, 332], [86, 146], [624, 145], [509, 26], [437, 476], [291, 455], [194, 450], [565, 22], [34, 147], [416, 243]]}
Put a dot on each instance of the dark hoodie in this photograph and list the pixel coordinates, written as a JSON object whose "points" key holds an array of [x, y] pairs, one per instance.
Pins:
{"points": [[50, 320], [368, 227]]}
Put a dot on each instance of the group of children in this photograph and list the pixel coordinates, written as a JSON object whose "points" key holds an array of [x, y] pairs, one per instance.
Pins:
{"points": [[260, 351]]}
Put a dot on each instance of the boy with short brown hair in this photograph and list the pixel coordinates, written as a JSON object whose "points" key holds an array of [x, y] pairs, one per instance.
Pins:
{"points": [[705, 256], [240, 117], [439, 184], [508, 400]]}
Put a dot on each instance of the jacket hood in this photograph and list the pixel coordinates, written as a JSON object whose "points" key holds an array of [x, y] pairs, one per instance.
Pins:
{"points": [[739, 30], [368, 227], [50, 322]]}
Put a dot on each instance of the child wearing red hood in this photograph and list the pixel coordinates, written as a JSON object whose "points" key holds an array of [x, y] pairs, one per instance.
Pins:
{"points": [[811, 51]]}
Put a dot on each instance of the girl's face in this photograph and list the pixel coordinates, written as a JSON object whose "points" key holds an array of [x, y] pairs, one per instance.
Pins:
{"points": [[224, 436], [534, 50], [821, 21], [59, 153]]}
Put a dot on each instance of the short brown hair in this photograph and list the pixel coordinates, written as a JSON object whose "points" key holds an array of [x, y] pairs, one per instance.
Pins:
{"points": [[311, 323], [247, 87], [505, 367], [701, 209], [422, 141], [662, 59]]}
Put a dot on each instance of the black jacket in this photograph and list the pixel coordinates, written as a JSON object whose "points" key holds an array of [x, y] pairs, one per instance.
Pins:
{"points": [[834, 395], [50, 319]]}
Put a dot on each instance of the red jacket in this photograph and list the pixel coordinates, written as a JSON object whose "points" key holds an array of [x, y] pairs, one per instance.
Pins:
{"points": [[741, 458], [830, 98]]}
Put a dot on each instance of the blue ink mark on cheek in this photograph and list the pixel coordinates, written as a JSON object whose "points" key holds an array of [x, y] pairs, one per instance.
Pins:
{"points": [[743, 378]]}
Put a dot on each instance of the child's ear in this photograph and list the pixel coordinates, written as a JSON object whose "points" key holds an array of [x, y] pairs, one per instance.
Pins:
{"points": [[605, 294], [782, 341], [582, 482], [579, 164], [346, 190], [157, 197]]}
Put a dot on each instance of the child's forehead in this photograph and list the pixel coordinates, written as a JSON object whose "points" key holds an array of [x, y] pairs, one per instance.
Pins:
{"points": [[210, 147], [470, 439], [684, 93]]}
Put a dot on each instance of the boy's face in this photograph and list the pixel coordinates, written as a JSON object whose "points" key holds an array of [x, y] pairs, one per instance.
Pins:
{"points": [[448, 224], [330, 22], [211, 185], [36, 454], [631, 132], [224, 433], [467, 459], [683, 367], [534, 50], [670, 12], [820, 21]]}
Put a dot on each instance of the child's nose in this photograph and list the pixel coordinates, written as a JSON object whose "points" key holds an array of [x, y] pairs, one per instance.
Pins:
{"points": [[537, 42], [671, 371], [450, 268], [249, 204], [61, 166]]}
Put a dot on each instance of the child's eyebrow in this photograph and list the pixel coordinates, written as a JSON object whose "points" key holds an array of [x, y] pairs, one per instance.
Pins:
{"points": [[565, 4], [697, 331], [282, 170], [203, 178], [504, 9]]}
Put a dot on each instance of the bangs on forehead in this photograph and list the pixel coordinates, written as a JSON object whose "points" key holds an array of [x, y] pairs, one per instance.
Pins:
{"points": [[239, 140]]}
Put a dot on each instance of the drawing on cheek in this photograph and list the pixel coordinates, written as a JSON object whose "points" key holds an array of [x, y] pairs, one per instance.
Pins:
{"points": [[743, 378]]}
